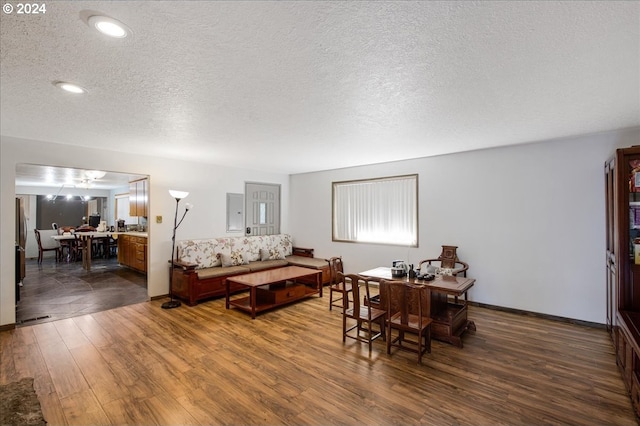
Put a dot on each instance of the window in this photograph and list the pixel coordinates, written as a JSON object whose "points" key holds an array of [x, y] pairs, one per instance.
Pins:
{"points": [[383, 210], [122, 209]]}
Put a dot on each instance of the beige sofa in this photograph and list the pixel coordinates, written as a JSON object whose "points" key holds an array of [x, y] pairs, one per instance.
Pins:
{"points": [[203, 265]]}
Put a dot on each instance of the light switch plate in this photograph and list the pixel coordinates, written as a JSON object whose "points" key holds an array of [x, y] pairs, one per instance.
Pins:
{"points": [[158, 219]]}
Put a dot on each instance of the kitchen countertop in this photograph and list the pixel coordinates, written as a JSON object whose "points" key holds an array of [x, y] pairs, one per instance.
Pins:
{"points": [[100, 234], [135, 233]]}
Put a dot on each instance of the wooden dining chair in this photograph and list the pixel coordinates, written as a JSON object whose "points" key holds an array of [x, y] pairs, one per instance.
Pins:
{"points": [[78, 248], [46, 243], [408, 311], [354, 308], [447, 262], [66, 245], [336, 285]]}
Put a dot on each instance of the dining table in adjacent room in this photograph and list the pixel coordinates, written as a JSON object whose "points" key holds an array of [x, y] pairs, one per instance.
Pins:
{"points": [[87, 238]]}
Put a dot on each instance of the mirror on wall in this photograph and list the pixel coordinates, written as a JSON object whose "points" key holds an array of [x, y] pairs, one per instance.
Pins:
{"points": [[235, 212]]}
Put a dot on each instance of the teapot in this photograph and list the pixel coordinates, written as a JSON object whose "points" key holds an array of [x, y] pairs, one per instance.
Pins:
{"points": [[399, 269]]}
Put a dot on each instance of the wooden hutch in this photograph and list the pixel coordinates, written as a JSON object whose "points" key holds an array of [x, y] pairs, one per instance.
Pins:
{"points": [[622, 187]]}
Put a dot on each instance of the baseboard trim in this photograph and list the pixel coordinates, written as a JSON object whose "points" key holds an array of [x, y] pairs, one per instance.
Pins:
{"points": [[7, 327], [164, 296], [539, 315]]}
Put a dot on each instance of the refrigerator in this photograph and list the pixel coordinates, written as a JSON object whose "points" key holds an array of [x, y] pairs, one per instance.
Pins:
{"points": [[21, 244]]}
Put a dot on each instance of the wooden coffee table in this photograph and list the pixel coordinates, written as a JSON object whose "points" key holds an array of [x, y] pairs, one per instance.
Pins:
{"points": [[274, 287]]}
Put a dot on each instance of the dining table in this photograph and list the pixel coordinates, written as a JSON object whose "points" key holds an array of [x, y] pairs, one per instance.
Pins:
{"points": [[87, 238], [449, 305]]}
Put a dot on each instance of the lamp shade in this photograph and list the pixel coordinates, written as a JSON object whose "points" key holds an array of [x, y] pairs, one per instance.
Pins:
{"points": [[178, 195]]}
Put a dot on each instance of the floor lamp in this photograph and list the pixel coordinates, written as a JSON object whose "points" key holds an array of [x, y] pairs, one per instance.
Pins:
{"points": [[178, 195]]}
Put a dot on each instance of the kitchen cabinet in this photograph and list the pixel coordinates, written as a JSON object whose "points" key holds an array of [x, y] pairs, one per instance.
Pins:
{"points": [[132, 252], [138, 197], [622, 194]]}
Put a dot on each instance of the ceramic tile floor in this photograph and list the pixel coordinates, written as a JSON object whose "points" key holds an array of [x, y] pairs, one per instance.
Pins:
{"points": [[53, 291]]}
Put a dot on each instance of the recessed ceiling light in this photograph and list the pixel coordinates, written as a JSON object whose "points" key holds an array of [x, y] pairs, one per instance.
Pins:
{"points": [[108, 26], [70, 87]]}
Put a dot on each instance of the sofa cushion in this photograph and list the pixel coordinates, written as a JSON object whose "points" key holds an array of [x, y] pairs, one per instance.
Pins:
{"points": [[271, 254], [202, 252], [236, 258], [281, 242], [205, 252], [260, 265], [248, 246], [307, 262], [222, 271], [253, 244]]}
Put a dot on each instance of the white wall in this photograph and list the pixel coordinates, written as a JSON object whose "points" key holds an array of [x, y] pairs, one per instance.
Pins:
{"points": [[207, 184], [529, 220]]}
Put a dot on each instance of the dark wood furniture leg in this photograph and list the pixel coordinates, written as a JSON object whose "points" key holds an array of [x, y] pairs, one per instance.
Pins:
{"points": [[252, 302]]}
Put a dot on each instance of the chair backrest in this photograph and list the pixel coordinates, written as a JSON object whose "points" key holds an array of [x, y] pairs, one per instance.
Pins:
{"points": [[44, 240], [79, 241], [448, 257], [447, 263], [335, 266], [407, 299], [360, 291]]}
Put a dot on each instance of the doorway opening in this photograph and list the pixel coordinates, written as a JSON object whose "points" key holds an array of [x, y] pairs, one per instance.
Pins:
{"points": [[59, 287]]}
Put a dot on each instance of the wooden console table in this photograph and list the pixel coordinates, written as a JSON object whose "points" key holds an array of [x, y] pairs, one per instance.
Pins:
{"points": [[449, 316], [273, 287]]}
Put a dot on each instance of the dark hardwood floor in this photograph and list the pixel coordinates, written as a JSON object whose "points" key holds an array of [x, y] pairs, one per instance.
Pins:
{"points": [[143, 365], [56, 290]]}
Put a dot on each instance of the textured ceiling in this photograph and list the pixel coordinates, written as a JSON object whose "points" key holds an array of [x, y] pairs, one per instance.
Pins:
{"points": [[298, 86]]}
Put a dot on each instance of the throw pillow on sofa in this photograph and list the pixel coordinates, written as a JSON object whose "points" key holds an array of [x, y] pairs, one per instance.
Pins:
{"points": [[236, 258], [271, 254], [200, 252], [215, 260]]}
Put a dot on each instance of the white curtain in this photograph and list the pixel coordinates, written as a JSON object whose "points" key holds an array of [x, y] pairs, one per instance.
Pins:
{"points": [[377, 210]]}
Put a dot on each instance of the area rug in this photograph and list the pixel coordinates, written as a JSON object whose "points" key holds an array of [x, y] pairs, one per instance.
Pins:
{"points": [[19, 404]]}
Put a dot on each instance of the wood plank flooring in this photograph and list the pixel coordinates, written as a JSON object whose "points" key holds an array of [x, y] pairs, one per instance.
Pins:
{"points": [[206, 365]]}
